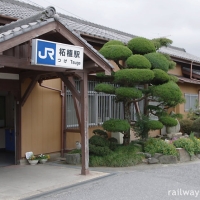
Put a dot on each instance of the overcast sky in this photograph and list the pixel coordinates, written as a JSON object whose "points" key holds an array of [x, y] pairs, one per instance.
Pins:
{"points": [[178, 20]]}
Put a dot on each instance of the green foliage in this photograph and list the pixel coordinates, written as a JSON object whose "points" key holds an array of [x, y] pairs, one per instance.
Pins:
{"points": [[138, 61], [186, 125], [99, 150], [168, 121], [185, 143], [113, 42], [160, 76], [173, 78], [128, 92], [104, 87], [99, 141], [172, 64], [133, 76], [123, 156], [155, 145], [113, 143], [116, 125], [196, 143], [140, 45], [74, 151], [115, 52], [100, 132], [103, 76], [154, 125], [168, 93], [196, 125], [159, 42], [158, 61], [194, 113]]}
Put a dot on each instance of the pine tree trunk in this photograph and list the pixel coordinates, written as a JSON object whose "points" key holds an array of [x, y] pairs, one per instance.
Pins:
{"points": [[127, 116]]}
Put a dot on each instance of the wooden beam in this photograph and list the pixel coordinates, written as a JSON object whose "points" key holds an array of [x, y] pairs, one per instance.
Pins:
{"points": [[69, 85], [87, 50], [76, 103], [11, 61], [84, 125], [14, 41], [72, 130], [29, 89]]}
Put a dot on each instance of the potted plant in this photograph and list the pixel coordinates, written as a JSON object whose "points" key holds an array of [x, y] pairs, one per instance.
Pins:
{"points": [[43, 158], [33, 160]]}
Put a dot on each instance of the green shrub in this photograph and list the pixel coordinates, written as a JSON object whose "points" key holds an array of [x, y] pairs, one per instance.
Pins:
{"points": [[123, 156], [113, 143], [113, 42], [185, 143], [155, 145], [138, 61], [168, 121], [106, 88], [116, 125], [99, 150], [196, 125], [133, 76], [75, 151], [173, 78], [115, 52], [99, 141], [100, 132], [186, 126], [196, 143], [154, 125], [160, 76], [128, 92], [158, 61], [140, 45]]}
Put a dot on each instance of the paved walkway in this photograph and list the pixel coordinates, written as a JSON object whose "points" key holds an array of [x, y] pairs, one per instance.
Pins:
{"points": [[21, 181]]}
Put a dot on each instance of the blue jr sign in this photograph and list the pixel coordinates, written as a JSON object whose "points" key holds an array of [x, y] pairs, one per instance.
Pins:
{"points": [[56, 54]]}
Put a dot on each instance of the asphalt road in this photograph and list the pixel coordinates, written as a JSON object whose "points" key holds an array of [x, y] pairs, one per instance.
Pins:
{"points": [[155, 182]]}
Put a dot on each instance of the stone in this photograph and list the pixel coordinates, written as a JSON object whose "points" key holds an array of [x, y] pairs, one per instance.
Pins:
{"points": [[157, 155], [147, 155], [167, 159], [74, 159], [174, 135], [198, 156], [194, 157], [173, 129], [184, 156], [153, 161]]}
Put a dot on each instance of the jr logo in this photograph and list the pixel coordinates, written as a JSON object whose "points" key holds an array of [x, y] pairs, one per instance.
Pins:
{"points": [[46, 53]]}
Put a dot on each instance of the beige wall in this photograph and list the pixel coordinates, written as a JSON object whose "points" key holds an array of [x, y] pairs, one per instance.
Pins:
{"points": [[176, 71], [41, 119]]}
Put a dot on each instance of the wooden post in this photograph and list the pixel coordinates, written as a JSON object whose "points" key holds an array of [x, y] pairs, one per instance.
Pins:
{"points": [[84, 125]]}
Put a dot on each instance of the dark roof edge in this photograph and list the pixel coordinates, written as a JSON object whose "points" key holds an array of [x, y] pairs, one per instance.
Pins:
{"points": [[45, 14]]}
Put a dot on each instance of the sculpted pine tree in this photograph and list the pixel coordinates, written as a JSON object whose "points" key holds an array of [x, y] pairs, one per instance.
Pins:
{"points": [[140, 64]]}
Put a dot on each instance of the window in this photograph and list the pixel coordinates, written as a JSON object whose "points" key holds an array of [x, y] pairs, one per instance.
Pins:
{"points": [[191, 101], [2, 111]]}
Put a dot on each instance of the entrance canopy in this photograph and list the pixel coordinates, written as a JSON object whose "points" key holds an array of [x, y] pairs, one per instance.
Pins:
{"points": [[16, 41]]}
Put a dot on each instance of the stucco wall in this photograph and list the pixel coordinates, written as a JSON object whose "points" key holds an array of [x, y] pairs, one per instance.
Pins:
{"points": [[41, 119]]}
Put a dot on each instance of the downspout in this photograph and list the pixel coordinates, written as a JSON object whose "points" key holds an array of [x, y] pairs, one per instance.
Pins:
{"points": [[191, 70]]}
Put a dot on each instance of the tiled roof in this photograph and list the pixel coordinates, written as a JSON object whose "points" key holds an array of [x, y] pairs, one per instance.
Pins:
{"points": [[40, 19], [179, 53], [188, 80], [18, 9]]}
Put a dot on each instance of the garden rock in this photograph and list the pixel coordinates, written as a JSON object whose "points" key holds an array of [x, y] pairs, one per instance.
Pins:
{"points": [[74, 159], [174, 135], [173, 129], [153, 160], [157, 155], [147, 155], [198, 156], [167, 159], [184, 156], [194, 157]]}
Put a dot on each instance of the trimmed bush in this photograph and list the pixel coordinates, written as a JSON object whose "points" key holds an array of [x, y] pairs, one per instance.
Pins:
{"points": [[186, 126], [133, 76], [100, 132], [128, 92], [185, 143], [158, 61], [160, 76], [116, 125], [99, 150], [154, 125], [196, 143], [169, 93], [138, 61], [99, 141], [196, 125], [173, 78], [140, 45], [168, 121], [106, 88], [113, 42], [115, 52], [155, 145]]}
